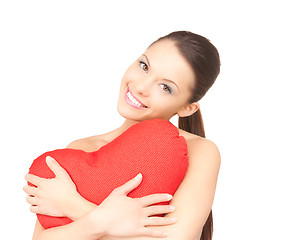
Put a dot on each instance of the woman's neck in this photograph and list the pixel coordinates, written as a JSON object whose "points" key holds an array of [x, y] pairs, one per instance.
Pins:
{"points": [[115, 133], [127, 124]]}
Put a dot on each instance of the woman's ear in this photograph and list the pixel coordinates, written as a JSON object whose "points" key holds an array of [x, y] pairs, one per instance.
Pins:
{"points": [[188, 109]]}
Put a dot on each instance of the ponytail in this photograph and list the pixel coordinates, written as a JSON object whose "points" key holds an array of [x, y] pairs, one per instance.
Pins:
{"points": [[194, 124]]}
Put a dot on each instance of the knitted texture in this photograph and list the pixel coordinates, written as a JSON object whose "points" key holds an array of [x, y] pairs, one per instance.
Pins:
{"points": [[152, 147]]}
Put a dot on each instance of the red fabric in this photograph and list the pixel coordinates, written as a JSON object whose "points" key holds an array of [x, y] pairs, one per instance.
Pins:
{"points": [[152, 147]]}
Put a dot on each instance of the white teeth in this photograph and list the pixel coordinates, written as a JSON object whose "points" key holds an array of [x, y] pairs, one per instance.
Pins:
{"points": [[133, 100]]}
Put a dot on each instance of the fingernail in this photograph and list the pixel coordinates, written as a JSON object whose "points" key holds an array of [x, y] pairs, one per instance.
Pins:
{"points": [[138, 176], [172, 208], [48, 158], [169, 197]]}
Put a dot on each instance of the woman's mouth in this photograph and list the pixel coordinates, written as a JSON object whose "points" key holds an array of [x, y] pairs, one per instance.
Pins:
{"points": [[133, 101]]}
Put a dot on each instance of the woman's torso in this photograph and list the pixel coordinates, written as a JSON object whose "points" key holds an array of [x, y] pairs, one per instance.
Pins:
{"points": [[94, 143]]}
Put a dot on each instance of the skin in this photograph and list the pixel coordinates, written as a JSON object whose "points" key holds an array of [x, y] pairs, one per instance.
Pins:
{"points": [[162, 80]]}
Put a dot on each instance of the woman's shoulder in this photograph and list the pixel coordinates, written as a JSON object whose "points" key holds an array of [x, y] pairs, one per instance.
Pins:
{"points": [[200, 148], [88, 144]]}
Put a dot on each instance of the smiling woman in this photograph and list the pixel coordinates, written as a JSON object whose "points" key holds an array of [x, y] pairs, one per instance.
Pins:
{"points": [[161, 79], [168, 79]]}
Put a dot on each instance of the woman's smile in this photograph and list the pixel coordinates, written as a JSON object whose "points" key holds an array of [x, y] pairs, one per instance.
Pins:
{"points": [[133, 101]]}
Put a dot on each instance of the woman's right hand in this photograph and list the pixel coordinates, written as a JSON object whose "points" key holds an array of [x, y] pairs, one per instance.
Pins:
{"points": [[122, 216]]}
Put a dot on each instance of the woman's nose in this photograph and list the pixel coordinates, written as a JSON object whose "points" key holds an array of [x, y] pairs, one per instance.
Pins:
{"points": [[143, 87]]}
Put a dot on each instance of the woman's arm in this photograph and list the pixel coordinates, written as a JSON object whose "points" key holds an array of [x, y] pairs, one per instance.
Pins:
{"points": [[80, 229], [194, 198], [117, 216]]}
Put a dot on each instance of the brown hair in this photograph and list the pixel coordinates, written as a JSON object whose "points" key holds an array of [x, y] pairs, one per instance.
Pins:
{"points": [[204, 59]]}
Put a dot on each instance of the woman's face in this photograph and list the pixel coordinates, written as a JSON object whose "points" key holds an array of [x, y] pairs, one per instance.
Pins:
{"points": [[157, 85]]}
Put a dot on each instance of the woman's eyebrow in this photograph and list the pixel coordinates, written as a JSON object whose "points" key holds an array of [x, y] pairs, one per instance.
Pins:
{"points": [[164, 78], [147, 59]]}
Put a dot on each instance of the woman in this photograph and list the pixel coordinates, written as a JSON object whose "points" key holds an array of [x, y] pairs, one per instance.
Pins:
{"points": [[172, 75]]}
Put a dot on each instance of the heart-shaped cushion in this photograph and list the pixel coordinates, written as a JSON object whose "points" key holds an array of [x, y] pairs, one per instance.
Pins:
{"points": [[152, 147]]}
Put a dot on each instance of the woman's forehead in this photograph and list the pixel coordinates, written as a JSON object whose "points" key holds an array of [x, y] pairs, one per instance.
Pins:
{"points": [[162, 48]]}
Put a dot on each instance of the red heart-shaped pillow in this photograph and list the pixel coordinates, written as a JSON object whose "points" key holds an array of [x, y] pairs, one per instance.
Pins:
{"points": [[152, 147]]}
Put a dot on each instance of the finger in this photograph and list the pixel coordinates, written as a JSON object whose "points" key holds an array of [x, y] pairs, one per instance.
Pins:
{"points": [[31, 200], [130, 185], [35, 180], [34, 209], [30, 190], [159, 221], [155, 198], [159, 209], [55, 166], [152, 233]]}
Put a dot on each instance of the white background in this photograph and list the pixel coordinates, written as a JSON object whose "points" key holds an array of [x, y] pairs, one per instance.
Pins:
{"points": [[61, 63]]}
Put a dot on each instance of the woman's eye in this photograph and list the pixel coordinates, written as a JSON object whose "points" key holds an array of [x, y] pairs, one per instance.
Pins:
{"points": [[166, 88], [143, 66]]}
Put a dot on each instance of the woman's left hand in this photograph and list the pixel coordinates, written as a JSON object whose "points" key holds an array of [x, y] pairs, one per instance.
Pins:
{"points": [[53, 197]]}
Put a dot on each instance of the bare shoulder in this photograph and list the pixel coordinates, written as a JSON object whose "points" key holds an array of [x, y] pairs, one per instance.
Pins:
{"points": [[201, 149], [88, 144]]}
